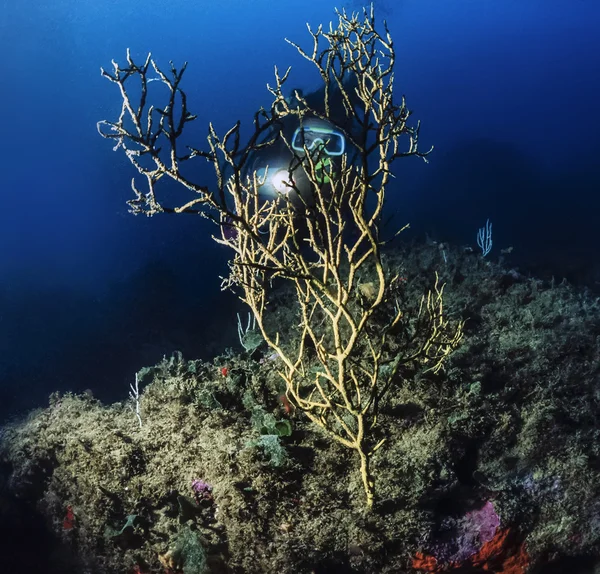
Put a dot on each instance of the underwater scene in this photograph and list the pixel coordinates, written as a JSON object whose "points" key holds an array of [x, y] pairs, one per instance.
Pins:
{"points": [[300, 287]]}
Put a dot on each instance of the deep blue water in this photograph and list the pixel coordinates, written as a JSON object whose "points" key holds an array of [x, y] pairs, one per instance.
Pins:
{"points": [[507, 92]]}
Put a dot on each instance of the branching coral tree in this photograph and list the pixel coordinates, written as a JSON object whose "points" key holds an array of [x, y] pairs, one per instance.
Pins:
{"points": [[352, 335]]}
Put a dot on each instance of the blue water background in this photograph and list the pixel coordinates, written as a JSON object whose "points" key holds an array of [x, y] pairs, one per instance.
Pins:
{"points": [[507, 92]]}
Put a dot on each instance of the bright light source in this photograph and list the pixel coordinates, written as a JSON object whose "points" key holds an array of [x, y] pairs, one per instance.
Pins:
{"points": [[281, 181]]}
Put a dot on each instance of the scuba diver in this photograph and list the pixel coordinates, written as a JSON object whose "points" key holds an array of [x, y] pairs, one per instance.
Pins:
{"points": [[281, 170], [279, 166]]}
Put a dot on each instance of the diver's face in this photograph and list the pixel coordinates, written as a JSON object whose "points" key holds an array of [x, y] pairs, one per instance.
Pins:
{"points": [[322, 138]]}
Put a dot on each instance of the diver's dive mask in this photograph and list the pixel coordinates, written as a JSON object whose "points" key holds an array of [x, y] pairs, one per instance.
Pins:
{"points": [[332, 141]]}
